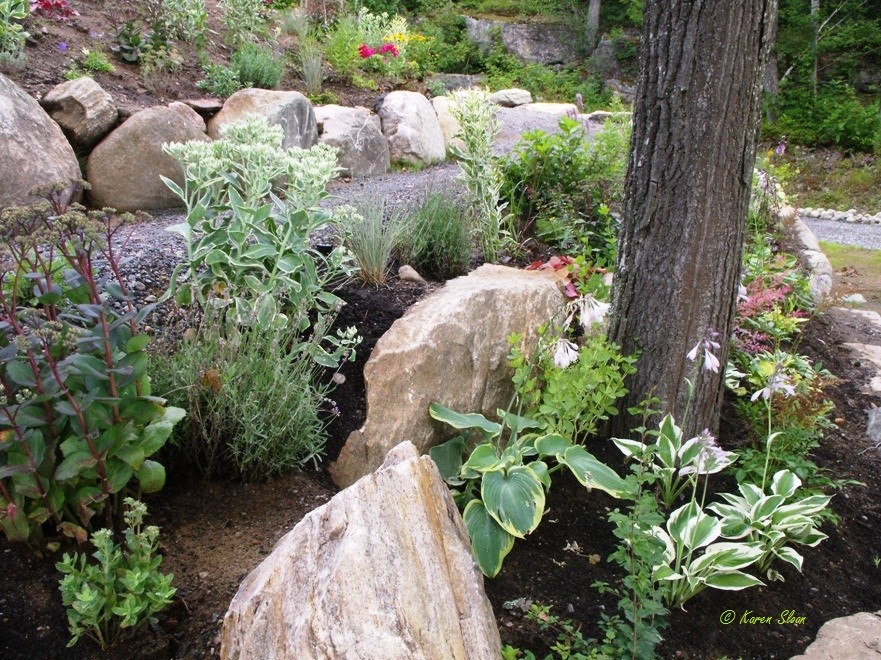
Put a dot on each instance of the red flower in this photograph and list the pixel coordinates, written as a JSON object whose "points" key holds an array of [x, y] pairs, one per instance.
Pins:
{"points": [[388, 48], [366, 51]]}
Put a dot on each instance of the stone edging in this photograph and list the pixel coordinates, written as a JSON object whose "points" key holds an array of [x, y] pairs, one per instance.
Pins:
{"points": [[808, 252], [850, 216]]}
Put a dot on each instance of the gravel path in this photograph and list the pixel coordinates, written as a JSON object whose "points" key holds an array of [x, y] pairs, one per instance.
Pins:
{"points": [[846, 233]]}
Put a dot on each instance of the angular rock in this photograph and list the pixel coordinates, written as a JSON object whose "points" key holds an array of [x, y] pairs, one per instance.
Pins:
{"points": [[450, 347], [411, 127], [357, 134], [383, 570], [82, 108], [205, 107], [552, 108], [33, 150], [542, 43], [511, 98], [855, 637], [290, 110], [602, 116], [124, 169], [449, 125], [454, 81], [189, 114], [407, 273]]}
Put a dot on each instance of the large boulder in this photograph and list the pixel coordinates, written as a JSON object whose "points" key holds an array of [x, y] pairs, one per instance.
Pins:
{"points": [[82, 108], [538, 42], [357, 134], [33, 150], [448, 123], [450, 347], [124, 169], [412, 129], [290, 110], [856, 637], [383, 570], [511, 98]]}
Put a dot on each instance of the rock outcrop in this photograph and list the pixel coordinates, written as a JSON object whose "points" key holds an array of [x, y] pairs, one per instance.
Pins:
{"points": [[383, 570], [33, 150], [290, 110], [450, 347], [511, 98], [357, 135], [541, 43], [410, 125], [448, 123], [82, 108], [124, 169]]}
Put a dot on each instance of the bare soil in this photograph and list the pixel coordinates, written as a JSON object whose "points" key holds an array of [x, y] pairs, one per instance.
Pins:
{"points": [[214, 533]]}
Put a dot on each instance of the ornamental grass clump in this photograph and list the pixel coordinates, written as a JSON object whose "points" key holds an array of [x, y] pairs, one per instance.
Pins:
{"points": [[480, 169], [78, 422], [372, 235]]}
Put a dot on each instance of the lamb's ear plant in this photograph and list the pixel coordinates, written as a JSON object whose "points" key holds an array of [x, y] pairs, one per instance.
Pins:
{"points": [[481, 170], [78, 425], [116, 596], [502, 482]]}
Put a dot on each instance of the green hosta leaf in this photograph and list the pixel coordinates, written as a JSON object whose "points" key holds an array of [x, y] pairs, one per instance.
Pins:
{"points": [[593, 473], [151, 476], [732, 581], [751, 493], [785, 483], [727, 556], [515, 422], [541, 471], [515, 498], [490, 543], [460, 421], [765, 507], [448, 458], [630, 447], [552, 444], [669, 441], [483, 459], [809, 506], [790, 556]]}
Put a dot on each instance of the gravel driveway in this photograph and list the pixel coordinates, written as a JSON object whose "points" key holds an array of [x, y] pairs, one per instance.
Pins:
{"points": [[846, 233]]}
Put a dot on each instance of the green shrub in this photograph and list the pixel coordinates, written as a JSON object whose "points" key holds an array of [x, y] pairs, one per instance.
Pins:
{"points": [[256, 66], [12, 34], [836, 117], [341, 46], [186, 20], [446, 47], [257, 396], [222, 81], [566, 183], [438, 244], [124, 590], [96, 60], [372, 238], [245, 20]]}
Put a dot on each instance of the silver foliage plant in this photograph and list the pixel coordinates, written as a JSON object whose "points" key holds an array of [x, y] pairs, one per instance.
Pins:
{"points": [[480, 168]]}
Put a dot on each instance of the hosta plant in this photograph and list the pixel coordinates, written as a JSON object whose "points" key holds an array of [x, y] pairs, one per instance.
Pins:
{"points": [[78, 425], [502, 482]]}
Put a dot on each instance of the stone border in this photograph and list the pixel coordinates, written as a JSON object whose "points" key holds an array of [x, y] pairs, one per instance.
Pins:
{"points": [[849, 216], [808, 252]]}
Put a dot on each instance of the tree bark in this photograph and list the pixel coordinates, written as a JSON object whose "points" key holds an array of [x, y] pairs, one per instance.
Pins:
{"points": [[592, 32], [695, 131]]}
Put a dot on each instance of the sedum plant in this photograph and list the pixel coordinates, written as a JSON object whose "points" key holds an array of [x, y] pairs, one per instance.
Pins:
{"points": [[123, 590], [480, 169], [251, 207], [78, 424], [12, 34]]}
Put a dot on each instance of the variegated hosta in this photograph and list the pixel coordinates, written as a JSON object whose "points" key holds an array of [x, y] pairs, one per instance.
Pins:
{"points": [[773, 521], [675, 462], [503, 481], [685, 574]]}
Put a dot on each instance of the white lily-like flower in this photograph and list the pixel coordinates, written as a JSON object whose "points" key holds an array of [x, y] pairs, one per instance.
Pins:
{"points": [[565, 353], [711, 362], [591, 311], [778, 382], [742, 295]]}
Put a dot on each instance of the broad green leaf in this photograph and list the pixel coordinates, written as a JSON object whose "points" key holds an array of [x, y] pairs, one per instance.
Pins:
{"points": [[30, 416], [21, 374], [552, 444], [462, 421], [679, 521], [732, 581], [119, 473], [765, 507], [151, 476], [10, 470], [515, 422], [515, 498], [483, 459], [17, 527], [489, 542], [541, 471], [74, 465], [785, 483], [142, 411], [448, 458], [630, 447], [790, 556], [154, 436], [593, 473], [137, 343]]}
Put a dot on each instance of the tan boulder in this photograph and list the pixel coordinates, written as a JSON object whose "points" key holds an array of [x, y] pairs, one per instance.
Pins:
{"points": [[124, 169], [511, 98], [357, 134], [33, 150], [410, 125], [448, 123], [383, 570], [290, 110], [82, 108], [450, 347], [855, 637]]}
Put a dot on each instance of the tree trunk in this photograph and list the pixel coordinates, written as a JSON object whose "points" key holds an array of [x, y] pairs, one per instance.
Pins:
{"points": [[815, 43], [695, 130], [592, 32]]}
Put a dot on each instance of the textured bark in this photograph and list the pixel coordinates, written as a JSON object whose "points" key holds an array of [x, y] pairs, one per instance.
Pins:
{"points": [[693, 150], [592, 32]]}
